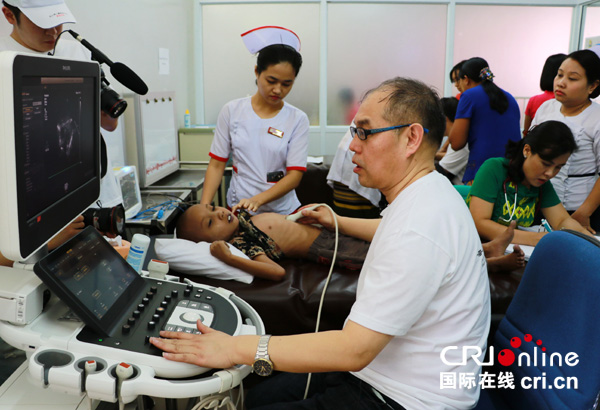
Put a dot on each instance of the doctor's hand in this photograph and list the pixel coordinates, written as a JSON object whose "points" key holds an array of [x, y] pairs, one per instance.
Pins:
{"points": [[107, 122], [321, 215], [67, 233], [211, 349], [251, 204]]}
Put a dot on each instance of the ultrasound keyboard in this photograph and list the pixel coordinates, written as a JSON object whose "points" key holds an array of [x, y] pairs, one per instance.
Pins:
{"points": [[169, 306]]}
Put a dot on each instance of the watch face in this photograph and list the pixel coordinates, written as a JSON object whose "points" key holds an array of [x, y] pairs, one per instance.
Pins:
{"points": [[263, 367]]}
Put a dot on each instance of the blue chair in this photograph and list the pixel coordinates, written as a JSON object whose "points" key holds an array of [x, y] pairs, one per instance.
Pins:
{"points": [[556, 303]]}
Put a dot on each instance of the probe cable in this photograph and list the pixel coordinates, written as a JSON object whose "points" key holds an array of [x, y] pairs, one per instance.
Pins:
{"points": [[325, 286]]}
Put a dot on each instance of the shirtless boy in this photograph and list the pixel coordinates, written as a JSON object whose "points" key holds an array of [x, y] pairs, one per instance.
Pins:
{"points": [[278, 237], [266, 238]]}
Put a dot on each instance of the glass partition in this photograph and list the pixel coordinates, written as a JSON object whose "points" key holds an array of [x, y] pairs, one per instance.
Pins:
{"points": [[368, 42], [591, 25], [372, 42], [229, 67], [514, 40]]}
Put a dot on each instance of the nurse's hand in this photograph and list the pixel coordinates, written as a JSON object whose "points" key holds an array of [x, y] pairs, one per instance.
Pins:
{"points": [[249, 204]]}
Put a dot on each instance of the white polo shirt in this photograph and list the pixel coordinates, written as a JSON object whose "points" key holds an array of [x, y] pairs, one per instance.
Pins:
{"points": [[425, 282]]}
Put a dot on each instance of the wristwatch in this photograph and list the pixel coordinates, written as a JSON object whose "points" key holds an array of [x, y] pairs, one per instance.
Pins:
{"points": [[262, 363]]}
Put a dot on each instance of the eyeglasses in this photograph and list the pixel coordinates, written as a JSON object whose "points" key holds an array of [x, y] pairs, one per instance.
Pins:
{"points": [[362, 134]]}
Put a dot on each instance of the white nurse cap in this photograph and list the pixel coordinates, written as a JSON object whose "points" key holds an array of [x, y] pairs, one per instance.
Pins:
{"points": [[261, 37]]}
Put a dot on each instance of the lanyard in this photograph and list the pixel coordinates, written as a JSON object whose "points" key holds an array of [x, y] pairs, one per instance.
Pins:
{"points": [[508, 203]]}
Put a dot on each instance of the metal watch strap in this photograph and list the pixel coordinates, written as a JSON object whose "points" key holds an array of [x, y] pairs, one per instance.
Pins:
{"points": [[262, 351]]}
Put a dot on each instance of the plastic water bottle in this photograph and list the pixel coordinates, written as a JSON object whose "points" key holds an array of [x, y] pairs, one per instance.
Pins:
{"points": [[187, 120], [138, 251]]}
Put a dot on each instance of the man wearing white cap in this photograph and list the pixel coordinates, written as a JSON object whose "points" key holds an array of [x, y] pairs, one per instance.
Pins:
{"points": [[37, 25]]}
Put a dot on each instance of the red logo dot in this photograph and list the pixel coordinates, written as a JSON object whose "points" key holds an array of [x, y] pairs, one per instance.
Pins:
{"points": [[543, 349], [539, 342], [528, 337], [515, 342], [506, 357]]}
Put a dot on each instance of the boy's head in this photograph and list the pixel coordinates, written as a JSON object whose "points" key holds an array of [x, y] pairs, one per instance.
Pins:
{"points": [[37, 23], [449, 106], [207, 223]]}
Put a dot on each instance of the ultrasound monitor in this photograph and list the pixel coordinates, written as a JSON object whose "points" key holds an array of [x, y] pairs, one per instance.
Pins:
{"points": [[49, 147], [92, 278]]}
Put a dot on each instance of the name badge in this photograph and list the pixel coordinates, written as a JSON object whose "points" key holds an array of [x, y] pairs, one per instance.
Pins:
{"points": [[276, 132]]}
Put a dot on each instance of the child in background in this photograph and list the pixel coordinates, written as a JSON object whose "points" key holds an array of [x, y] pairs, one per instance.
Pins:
{"points": [[451, 163]]}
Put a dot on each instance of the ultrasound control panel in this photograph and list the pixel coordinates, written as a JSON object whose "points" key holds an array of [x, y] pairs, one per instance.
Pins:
{"points": [[186, 314], [166, 306], [122, 309]]}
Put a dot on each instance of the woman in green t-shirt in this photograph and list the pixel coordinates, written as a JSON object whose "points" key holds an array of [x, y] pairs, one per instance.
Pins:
{"points": [[515, 187]]}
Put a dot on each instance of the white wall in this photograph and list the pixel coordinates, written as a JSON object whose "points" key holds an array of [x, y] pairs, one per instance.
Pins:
{"points": [[131, 32]]}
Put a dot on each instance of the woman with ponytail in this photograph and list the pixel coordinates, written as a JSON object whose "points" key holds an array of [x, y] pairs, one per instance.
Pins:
{"points": [[516, 187], [486, 119]]}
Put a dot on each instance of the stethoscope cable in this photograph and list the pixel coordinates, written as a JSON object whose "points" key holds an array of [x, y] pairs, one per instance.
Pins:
{"points": [[514, 209]]}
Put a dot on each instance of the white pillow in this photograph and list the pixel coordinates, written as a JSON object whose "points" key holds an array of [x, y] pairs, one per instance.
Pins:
{"points": [[195, 259]]}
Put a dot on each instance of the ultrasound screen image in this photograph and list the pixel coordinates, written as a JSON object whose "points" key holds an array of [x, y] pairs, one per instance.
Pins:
{"points": [[55, 110], [92, 274]]}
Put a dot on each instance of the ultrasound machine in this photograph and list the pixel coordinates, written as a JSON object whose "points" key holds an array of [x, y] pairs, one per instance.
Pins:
{"points": [[81, 313]]}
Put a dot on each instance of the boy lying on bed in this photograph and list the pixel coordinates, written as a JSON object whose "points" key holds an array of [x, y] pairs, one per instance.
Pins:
{"points": [[268, 237]]}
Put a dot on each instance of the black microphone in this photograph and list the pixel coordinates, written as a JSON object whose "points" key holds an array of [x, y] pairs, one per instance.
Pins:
{"points": [[120, 71], [128, 78], [97, 55]]}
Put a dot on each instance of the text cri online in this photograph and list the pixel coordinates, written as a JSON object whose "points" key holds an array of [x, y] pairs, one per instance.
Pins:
{"points": [[541, 382], [571, 359]]}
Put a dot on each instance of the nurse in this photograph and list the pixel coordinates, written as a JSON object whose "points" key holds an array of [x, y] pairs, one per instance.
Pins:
{"points": [[266, 137]]}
